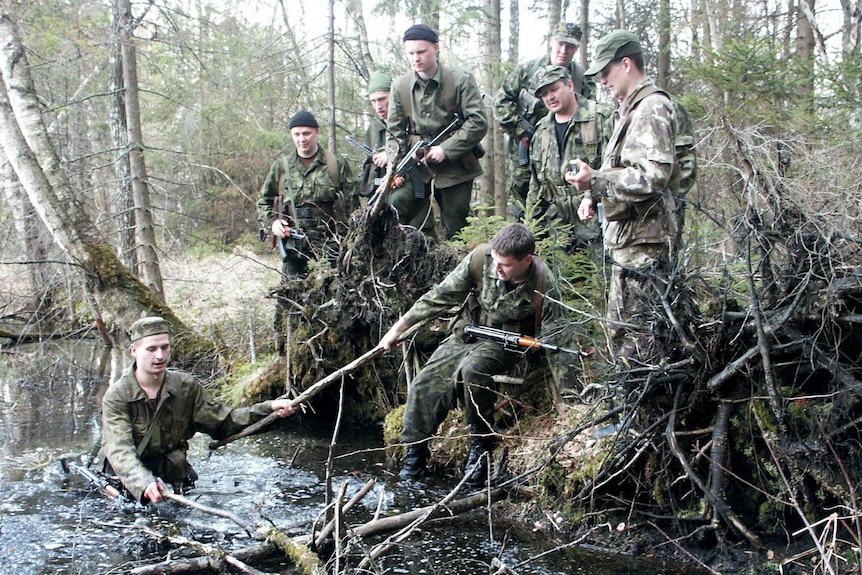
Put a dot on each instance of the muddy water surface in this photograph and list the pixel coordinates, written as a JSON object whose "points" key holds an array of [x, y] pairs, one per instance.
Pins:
{"points": [[52, 523]]}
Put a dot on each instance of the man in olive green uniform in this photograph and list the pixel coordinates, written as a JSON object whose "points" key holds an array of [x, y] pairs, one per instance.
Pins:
{"points": [[502, 284], [413, 209], [150, 413], [575, 128], [516, 97], [638, 186], [421, 104], [310, 191]]}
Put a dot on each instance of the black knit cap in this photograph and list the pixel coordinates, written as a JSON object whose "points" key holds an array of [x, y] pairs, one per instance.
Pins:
{"points": [[305, 119], [421, 32]]}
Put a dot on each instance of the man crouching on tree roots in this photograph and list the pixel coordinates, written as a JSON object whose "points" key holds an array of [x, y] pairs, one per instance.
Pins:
{"points": [[150, 413], [500, 285]]}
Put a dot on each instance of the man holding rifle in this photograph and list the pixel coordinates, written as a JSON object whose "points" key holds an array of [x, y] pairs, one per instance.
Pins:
{"points": [[150, 413], [422, 103], [518, 110], [304, 203], [498, 285], [411, 202]]}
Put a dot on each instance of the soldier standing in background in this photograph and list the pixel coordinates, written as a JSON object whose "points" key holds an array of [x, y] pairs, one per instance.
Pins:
{"points": [[421, 104], [518, 110]]}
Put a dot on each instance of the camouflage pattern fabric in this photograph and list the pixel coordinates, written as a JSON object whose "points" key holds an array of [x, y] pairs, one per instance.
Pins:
{"points": [[639, 170], [585, 138], [468, 366], [127, 414], [517, 93]]}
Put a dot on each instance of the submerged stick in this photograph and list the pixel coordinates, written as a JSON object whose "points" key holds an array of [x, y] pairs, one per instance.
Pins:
{"points": [[246, 525], [314, 389]]}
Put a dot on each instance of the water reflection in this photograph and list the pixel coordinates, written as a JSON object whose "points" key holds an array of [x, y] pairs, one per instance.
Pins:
{"points": [[51, 523]]}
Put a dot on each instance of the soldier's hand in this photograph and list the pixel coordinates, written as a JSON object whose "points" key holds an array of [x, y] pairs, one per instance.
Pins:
{"points": [[380, 159], [280, 227], [398, 181], [435, 155], [587, 209], [283, 407], [582, 179], [153, 493]]}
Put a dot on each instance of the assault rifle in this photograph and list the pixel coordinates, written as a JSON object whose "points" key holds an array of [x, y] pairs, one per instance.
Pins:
{"points": [[275, 242], [410, 164], [95, 480], [360, 146], [524, 147], [515, 341]]}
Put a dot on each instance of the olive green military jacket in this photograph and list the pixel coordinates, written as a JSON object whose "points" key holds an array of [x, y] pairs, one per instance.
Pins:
{"points": [[319, 202], [585, 138], [502, 305], [517, 93], [186, 408], [430, 116]]}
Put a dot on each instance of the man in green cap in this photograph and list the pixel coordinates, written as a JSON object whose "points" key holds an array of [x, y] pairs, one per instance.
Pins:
{"points": [[304, 203], [575, 128], [414, 209], [636, 186], [517, 108], [150, 412], [425, 101]]}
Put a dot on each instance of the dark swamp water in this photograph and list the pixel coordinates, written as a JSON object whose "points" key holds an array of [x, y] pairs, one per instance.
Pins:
{"points": [[52, 523]]}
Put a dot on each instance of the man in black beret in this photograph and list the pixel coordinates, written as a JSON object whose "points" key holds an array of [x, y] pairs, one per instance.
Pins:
{"points": [[421, 104], [304, 203]]}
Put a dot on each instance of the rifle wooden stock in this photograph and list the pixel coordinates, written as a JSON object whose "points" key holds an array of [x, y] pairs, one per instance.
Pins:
{"points": [[314, 389], [515, 341]]}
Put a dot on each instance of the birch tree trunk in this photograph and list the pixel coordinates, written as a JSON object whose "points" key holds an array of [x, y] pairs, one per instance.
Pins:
{"points": [[330, 78], [24, 220], [145, 237], [495, 174], [24, 140]]}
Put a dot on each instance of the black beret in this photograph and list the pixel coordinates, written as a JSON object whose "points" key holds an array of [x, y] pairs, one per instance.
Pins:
{"points": [[305, 119], [421, 32]]}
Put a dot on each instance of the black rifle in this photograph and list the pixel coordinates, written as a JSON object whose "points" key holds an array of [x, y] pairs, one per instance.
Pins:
{"points": [[95, 480], [524, 147], [276, 242], [410, 164], [360, 146], [515, 341]]}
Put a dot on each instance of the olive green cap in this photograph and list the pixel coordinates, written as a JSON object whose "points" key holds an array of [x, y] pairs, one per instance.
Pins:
{"points": [[379, 81], [548, 76], [614, 46], [569, 33], [147, 326]]}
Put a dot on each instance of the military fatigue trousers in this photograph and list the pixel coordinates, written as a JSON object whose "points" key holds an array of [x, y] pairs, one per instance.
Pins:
{"points": [[454, 203], [454, 367], [634, 269]]}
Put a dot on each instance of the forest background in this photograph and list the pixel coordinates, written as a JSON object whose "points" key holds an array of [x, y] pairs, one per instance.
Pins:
{"points": [[135, 137]]}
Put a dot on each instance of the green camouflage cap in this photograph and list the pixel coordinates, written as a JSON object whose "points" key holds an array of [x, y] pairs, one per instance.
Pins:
{"points": [[147, 326], [548, 76], [379, 81], [614, 46], [569, 33]]}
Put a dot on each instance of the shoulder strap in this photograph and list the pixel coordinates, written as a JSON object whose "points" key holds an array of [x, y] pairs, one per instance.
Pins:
{"points": [[332, 164], [151, 428], [477, 265], [539, 293]]}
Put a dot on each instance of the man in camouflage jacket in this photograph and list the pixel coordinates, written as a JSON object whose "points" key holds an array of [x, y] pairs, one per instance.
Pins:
{"points": [[310, 190], [150, 412], [517, 94], [421, 104], [636, 186], [412, 210], [498, 282], [575, 128]]}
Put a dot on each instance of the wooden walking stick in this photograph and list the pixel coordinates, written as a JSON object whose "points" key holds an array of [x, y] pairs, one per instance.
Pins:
{"points": [[315, 388]]}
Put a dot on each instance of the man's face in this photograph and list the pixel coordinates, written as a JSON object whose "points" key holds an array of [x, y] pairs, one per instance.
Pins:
{"points": [[380, 102], [616, 78], [422, 56], [562, 53], [509, 268], [559, 97], [305, 140], [152, 353]]}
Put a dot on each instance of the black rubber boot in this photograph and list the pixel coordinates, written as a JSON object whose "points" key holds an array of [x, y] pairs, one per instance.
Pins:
{"points": [[479, 460], [413, 467]]}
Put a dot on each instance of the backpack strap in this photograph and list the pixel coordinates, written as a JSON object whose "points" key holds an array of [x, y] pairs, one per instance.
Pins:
{"points": [[332, 164], [539, 293]]}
